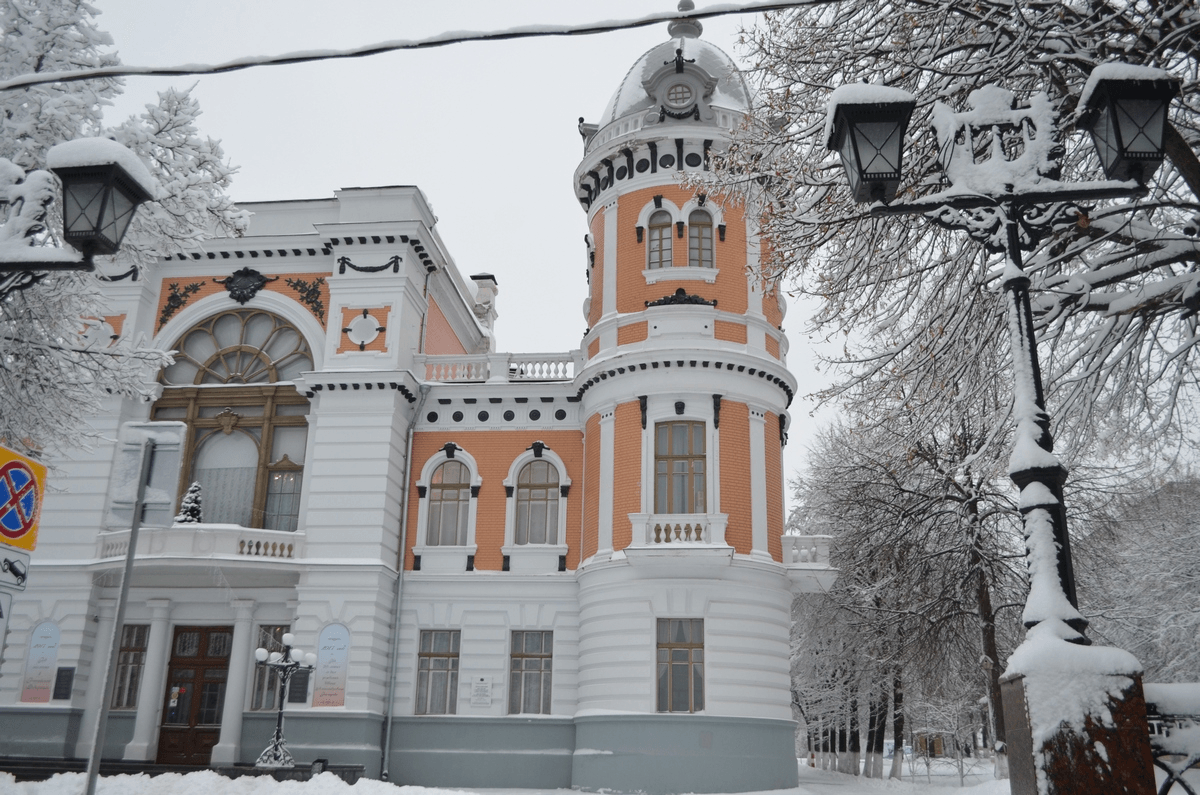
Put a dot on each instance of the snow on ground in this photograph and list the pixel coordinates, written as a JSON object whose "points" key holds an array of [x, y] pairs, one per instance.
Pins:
{"points": [[812, 782]]}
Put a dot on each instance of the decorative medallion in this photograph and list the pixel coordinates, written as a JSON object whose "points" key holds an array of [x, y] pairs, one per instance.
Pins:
{"points": [[680, 297], [244, 284], [310, 294], [177, 299], [228, 420]]}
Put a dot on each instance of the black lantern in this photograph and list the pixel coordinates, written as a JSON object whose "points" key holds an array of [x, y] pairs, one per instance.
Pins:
{"points": [[870, 138], [1128, 120], [98, 204]]}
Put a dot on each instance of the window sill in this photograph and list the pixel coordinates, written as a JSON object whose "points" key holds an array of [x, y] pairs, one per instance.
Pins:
{"points": [[444, 560], [534, 558], [688, 273]]}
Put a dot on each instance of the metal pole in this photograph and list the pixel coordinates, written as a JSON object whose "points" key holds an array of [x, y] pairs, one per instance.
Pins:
{"points": [[1029, 402], [98, 732]]}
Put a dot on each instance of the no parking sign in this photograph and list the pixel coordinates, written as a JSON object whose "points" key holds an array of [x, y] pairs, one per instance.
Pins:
{"points": [[22, 481]]}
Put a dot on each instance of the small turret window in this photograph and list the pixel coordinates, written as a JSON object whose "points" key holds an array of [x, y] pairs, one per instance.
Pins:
{"points": [[660, 240], [700, 239], [679, 95]]}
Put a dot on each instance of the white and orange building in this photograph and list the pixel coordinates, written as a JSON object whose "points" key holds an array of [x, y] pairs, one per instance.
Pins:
{"points": [[517, 570]]}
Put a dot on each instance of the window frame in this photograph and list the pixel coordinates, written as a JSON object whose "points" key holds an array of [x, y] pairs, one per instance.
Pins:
{"points": [[665, 691], [666, 232], [517, 676], [696, 252], [130, 669], [511, 485], [445, 557], [453, 669], [669, 457], [186, 402]]}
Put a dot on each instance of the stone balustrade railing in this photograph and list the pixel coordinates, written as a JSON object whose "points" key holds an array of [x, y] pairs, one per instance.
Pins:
{"points": [[203, 541], [802, 550], [497, 367], [656, 529]]}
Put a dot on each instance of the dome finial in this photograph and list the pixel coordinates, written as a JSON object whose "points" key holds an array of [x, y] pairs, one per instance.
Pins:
{"points": [[685, 28]]}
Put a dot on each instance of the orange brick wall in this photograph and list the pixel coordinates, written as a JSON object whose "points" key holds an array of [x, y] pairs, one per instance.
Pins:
{"points": [[729, 332], [634, 332], [596, 309], [379, 315], [439, 336], [209, 287], [591, 486], [593, 347], [774, 455], [770, 307], [117, 322], [772, 346], [735, 471], [730, 289], [494, 451], [627, 475]]}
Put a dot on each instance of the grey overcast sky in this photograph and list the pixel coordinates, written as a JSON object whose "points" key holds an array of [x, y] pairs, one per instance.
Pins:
{"points": [[486, 130]]}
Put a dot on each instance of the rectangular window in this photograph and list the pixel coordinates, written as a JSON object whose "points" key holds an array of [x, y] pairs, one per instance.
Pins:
{"points": [[283, 500], [700, 244], [680, 664], [131, 661], [529, 679], [266, 683], [437, 672], [679, 474]]}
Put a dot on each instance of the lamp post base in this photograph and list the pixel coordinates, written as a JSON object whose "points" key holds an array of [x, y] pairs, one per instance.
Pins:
{"points": [[1110, 753], [276, 756]]}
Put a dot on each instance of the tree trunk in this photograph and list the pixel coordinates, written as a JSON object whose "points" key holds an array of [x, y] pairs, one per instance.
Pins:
{"points": [[873, 728], [852, 761], [876, 750], [897, 728], [991, 655]]}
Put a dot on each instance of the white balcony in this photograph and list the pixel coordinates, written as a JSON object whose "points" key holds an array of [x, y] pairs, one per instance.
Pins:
{"points": [[498, 367], [807, 561], [206, 542], [698, 538]]}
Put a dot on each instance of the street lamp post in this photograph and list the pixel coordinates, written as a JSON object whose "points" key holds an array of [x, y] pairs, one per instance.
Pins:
{"points": [[284, 664], [102, 182], [1002, 164]]}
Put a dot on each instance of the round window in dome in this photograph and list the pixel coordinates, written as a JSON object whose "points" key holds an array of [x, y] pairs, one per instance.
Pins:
{"points": [[679, 95]]}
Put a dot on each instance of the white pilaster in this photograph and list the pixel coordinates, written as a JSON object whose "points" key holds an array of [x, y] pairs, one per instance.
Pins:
{"points": [[609, 307], [758, 482], [604, 543], [106, 610], [225, 752], [144, 744]]}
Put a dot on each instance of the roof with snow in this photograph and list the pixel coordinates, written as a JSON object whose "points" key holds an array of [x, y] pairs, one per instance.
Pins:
{"points": [[631, 96]]}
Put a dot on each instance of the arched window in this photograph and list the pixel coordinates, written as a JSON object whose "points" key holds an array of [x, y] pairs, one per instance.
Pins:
{"points": [[660, 240], [247, 429], [700, 239], [537, 504], [449, 505]]}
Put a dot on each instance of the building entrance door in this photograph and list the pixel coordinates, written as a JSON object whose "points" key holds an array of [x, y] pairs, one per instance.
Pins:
{"points": [[195, 695]]}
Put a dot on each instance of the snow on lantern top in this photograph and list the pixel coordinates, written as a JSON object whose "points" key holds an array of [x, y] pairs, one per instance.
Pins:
{"points": [[98, 152], [866, 125]]}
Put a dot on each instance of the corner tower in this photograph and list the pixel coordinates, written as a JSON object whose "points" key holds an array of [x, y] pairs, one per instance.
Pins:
{"points": [[685, 587]]}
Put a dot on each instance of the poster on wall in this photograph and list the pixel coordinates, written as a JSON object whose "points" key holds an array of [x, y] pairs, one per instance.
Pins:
{"points": [[40, 664], [333, 652]]}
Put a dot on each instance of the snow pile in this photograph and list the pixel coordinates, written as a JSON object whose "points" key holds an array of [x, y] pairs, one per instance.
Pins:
{"points": [[206, 782], [1174, 698], [1120, 71], [101, 152]]}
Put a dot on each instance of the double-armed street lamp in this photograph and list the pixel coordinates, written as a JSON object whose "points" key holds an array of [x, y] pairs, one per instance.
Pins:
{"points": [[1001, 162], [102, 183], [284, 664]]}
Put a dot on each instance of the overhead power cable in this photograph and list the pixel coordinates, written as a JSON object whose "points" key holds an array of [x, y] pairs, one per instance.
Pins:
{"points": [[440, 40]]}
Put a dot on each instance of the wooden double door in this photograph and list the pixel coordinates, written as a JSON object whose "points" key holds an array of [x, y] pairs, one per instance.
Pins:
{"points": [[195, 696]]}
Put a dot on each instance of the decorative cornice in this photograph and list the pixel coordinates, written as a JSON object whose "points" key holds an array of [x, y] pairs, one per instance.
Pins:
{"points": [[367, 385], [681, 298], [604, 375], [393, 263]]}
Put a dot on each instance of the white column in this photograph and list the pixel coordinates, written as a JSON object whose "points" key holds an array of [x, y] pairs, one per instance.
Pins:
{"points": [[604, 543], [144, 744], [106, 610], [225, 752], [609, 280], [758, 483]]}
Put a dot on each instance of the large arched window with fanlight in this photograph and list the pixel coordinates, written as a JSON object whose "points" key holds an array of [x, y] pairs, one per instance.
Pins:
{"points": [[247, 426]]}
